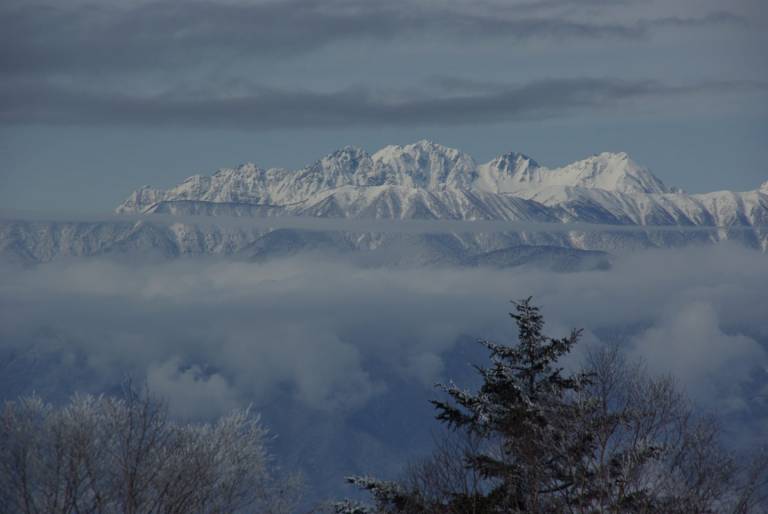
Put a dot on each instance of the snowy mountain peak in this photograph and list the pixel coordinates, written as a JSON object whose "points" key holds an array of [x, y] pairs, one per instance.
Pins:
{"points": [[248, 167], [423, 166], [348, 153], [511, 161], [505, 173], [345, 161], [420, 148], [139, 199], [763, 187], [514, 163], [615, 172], [609, 171]]}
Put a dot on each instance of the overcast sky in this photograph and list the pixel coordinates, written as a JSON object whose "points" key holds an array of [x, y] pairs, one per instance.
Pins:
{"points": [[100, 97]]}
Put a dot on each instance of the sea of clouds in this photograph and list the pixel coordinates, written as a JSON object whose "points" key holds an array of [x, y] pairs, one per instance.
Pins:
{"points": [[342, 359]]}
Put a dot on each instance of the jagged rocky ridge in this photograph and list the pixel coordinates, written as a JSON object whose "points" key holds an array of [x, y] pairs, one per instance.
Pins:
{"points": [[424, 181]]}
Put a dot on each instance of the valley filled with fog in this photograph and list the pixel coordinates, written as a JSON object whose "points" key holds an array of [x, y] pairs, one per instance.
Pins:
{"points": [[341, 359]]}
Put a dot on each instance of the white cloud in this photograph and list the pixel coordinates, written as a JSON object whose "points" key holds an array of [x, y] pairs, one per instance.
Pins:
{"points": [[689, 344], [332, 336], [341, 360], [189, 391]]}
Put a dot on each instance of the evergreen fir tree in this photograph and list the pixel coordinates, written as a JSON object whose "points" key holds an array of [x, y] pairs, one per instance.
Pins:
{"points": [[530, 413], [548, 442]]}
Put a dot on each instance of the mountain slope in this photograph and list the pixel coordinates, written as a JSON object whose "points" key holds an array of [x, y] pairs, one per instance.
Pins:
{"points": [[420, 181], [425, 180], [607, 171], [422, 166]]}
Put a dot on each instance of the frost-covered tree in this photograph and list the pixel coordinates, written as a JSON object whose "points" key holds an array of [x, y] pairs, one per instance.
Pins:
{"points": [[610, 439], [690, 472], [123, 455], [528, 411], [526, 415]]}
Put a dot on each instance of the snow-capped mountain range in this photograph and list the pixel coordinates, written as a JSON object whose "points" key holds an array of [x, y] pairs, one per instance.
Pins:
{"points": [[425, 181], [416, 171]]}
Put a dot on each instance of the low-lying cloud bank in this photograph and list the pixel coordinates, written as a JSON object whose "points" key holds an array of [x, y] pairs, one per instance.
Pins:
{"points": [[329, 338], [361, 225], [341, 360]]}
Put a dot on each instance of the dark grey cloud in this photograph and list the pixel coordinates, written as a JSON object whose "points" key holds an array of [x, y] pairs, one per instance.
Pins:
{"points": [[70, 37], [708, 20], [122, 63], [266, 108]]}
